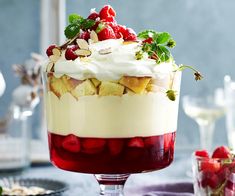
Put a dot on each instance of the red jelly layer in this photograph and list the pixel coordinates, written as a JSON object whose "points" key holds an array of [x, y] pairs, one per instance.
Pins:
{"points": [[113, 155]]}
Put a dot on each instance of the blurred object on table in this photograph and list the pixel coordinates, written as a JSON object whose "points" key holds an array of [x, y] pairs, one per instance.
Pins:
{"points": [[229, 88], [30, 76], [14, 139], [205, 110], [2, 84]]}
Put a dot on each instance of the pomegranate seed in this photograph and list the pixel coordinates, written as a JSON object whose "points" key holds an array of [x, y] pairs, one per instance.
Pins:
{"points": [[106, 33], [93, 16], [107, 11], [70, 54], [49, 50]]}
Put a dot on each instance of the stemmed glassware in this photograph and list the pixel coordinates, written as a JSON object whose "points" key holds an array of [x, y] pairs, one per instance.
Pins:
{"points": [[109, 136], [205, 110]]}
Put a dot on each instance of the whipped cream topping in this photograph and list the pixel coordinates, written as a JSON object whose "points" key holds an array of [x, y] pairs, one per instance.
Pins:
{"points": [[112, 66]]}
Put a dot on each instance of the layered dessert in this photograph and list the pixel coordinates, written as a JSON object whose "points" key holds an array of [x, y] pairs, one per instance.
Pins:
{"points": [[111, 97]]}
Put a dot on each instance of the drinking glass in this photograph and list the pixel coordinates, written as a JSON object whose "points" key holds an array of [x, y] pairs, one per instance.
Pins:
{"points": [[229, 87], [205, 110], [110, 136], [2, 84]]}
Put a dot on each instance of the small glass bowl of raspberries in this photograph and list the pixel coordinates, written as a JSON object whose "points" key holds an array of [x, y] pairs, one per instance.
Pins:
{"points": [[214, 175]]}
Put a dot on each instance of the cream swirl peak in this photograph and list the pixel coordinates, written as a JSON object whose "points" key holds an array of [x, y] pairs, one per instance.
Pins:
{"points": [[110, 60]]}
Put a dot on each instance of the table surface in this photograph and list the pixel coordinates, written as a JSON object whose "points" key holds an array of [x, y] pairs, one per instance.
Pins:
{"points": [[85, 184]]}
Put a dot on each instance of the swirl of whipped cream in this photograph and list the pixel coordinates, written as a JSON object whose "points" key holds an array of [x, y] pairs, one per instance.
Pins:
{"points": [[120, 60]]}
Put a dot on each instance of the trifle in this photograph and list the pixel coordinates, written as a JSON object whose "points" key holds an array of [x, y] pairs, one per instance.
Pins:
{"points": [[111, 97]]}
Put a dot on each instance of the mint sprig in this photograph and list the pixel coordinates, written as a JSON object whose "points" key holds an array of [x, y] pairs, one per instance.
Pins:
{"points": [[77, 23], [1, 191], [158, 48]]}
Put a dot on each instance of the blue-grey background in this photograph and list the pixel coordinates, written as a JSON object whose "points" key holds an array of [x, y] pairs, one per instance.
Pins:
{"points": [[204, 31]]}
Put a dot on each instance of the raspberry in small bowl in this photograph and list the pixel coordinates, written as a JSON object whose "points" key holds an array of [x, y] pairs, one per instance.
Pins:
{"points": [[214, 175]]}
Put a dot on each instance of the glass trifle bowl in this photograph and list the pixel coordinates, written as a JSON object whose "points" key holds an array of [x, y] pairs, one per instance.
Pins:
{"points": [[111, 107]]}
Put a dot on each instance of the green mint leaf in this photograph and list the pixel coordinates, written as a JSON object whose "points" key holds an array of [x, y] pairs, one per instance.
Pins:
{"points": [[72, 30], [75, 18], [100, 27], [146, 34], [163, 38], [163, 54], [87, 24], [1, 190]]}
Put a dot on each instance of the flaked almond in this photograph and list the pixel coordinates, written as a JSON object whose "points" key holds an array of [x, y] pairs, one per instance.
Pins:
{"points": [[83, 52], [82, 44], [50, 66], [105, 51], [54, 58], [129, 42], [56, 51], [94, 36]]}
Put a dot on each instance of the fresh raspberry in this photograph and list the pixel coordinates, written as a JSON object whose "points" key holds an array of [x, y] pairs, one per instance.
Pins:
{"points": [[154, 141], [115, 146], [210, 165], [209, 179], [93, 16], [106, 12], [136, 142], [169, 138], [70, 54], [122, 29], [71, 143], [106, 33], [148, 40], [109, 19], [129, 35], [49, 50], [57, 140], [93, 145], [115, 28], [221, 152], [202, 153], [84, 35]]}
